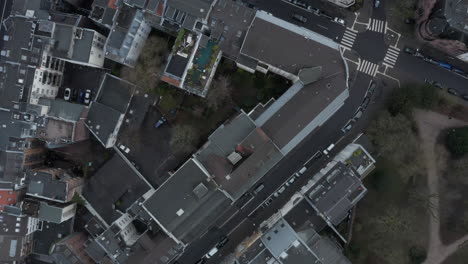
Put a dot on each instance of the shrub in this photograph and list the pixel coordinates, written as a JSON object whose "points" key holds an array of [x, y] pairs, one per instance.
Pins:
{"points": [[417, 254], [456, 141]]}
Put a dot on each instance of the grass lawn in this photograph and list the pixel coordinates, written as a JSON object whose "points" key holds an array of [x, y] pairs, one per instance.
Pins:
{"points": [[397, 12]]}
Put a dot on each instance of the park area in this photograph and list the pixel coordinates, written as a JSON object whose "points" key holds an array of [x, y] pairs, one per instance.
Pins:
{"points": [[415, 210]]}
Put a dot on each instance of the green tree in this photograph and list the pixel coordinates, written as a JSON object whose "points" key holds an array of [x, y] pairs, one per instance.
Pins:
{"points": [[417, 254], [456, 141]]}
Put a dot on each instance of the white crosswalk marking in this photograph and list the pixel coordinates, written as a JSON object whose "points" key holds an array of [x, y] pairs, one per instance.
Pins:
{"points": [[377, 25], [348, 38], [391, 56], [368, 67]]}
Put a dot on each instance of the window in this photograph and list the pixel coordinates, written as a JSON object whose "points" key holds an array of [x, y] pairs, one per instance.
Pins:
{"points": [[0, 196], [24, 57], [10, 192], [9, 199]]}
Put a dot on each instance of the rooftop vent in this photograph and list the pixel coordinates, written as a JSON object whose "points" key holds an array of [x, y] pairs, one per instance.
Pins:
{"points": [[200, 190], [79, 33], [234, 158], [180, 212]]}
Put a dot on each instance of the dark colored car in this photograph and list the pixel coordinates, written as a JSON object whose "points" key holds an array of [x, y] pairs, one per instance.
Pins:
{"points": [[409, 50], [223, 242], [299, 18], [372, 87], [452, 91], [465, 97], [365, 102]]}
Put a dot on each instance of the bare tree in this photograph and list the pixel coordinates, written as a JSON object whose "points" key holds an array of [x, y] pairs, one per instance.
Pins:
{"points": [[183, 138], [219, 93], [147, 70]]}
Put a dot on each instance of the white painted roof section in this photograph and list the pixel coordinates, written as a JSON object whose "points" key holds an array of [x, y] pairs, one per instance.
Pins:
{"points": [[298, 30]]}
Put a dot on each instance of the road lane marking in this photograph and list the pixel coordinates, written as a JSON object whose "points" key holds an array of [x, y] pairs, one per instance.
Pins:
{"points": [[237, 226], [377, 25], [391, 56], [348, 38], [324, 27], [368, 68]]}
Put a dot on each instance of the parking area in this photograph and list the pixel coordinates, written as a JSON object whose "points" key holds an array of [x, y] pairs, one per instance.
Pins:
{"points": [[79, 79], [144, 144]]}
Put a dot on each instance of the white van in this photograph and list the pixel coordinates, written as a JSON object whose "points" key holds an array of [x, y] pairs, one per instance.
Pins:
{"points": [[326, 151], [211, 253]]}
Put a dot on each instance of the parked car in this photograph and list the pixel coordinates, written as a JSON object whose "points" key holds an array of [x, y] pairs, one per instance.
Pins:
{"points": [[376, 3], [259, 188], [299, 18], [459, 71], [302, 170], [372, 87], [465, 97], [365, 102], [87, 97], [327, 150], [290, 181], [348, 126], [409, 50], [452, 91], [445, 65], [212, 252], [67, 94], [313, 10], [160, 122], [223, 242], [431, 60], [339, 21], [358, 114], [201, 261]]}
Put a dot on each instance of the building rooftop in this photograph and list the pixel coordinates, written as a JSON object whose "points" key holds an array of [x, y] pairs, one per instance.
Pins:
{"points": [[251, 151], [186, 13], [15, 81], [106, 113], [51, 232], [195, 202], [47, 185], [38, 9], [229, 22], [12, 125], [301, 109], [114, 186], [13, 230], [301, 48], [336, 192]]}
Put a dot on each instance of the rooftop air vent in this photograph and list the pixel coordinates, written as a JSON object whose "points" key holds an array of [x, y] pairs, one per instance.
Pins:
{"points": [[200, 190], [234, 158]]}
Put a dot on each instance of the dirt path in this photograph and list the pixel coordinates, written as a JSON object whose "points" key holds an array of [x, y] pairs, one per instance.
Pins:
{"points": [[430, 124]]}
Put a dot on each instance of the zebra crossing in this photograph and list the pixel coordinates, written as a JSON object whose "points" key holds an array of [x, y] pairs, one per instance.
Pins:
{"points": [[368, 67], [391, 56], [377, 25], [348, 38]]}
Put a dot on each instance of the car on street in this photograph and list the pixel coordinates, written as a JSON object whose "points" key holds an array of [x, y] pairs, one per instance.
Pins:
{"points": [[372, 87], [452, 91], [160, 122], [445, 65], [87, 97], [339, 21], [376, 3], [348, 126], [358, 114], [212, 252], [365, 102], [459, 71], [222, 242], [290, 181], [464, 97], [409, 50], [259, 188], [431, 60], [299, 18], [67, 94], [327, 150], [313, 10]]}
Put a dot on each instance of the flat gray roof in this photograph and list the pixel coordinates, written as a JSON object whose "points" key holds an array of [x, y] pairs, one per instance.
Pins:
{"points": [[290, 47], [303, 109], [187, 203], [336, 193]]}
